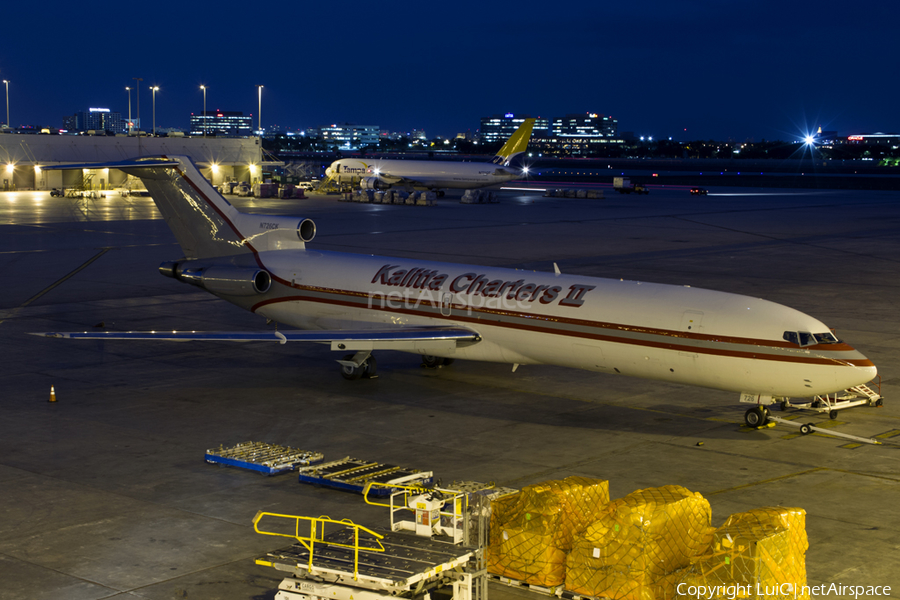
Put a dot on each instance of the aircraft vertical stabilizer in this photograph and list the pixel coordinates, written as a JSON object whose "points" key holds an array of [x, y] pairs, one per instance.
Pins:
{"points": [[204, 223], [516, 144]]}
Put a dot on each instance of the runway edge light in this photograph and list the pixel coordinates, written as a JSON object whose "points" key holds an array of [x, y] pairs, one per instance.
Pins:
{"points": [[52, 395]]}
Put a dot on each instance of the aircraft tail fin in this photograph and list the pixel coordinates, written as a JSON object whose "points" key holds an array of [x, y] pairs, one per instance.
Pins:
{"points": [[204, 223], [516, 144]]}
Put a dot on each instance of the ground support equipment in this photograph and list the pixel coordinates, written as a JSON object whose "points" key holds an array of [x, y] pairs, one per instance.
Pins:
{"points": [[460, 511], [489, 490], [856, 396], [556, 591], [807, 428], [269, 459], [353, 474], [830, 403], [353, 562]]}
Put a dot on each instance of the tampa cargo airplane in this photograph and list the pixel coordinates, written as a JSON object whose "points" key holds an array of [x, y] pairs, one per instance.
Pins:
{"points": [[444, 311], [382, 174]]}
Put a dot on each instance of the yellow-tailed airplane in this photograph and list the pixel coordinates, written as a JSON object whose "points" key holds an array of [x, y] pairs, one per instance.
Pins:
{"points": [[382, 174]]}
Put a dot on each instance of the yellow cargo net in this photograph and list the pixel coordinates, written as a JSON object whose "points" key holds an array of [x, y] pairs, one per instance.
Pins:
{"points": [[631, 550], [653, 544], [758, 554], [532, 531], [316, 535]]}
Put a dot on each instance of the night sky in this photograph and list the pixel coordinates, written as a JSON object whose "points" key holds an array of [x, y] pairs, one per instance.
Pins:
{"points": [[688, 69]]}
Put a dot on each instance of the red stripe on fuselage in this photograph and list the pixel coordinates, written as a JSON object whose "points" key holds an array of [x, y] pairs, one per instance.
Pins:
{"points": [[587, 335]]}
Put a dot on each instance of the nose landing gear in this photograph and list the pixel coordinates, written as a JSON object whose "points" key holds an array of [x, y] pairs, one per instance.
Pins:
{"points": [[756, 416]]}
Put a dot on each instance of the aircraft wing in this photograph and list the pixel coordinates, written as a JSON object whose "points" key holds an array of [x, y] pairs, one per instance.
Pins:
{"points": [[395, 338]]}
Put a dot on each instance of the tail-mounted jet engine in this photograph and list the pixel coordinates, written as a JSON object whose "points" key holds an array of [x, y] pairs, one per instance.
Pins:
{"points": [[226, 280]]}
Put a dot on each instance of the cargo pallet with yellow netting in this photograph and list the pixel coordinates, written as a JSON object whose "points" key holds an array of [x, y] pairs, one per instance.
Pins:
{"points": [[566, 539]]}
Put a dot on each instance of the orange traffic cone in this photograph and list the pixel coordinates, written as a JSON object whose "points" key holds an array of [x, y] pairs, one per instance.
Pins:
{"points": [[52, 395]]}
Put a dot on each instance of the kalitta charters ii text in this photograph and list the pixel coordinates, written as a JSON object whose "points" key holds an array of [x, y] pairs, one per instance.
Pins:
{"points": [[787, 590]]}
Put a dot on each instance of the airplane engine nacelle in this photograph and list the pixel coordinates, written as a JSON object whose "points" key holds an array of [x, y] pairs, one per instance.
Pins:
{"points": [[226, 280], [373, 183], [233, 281]]}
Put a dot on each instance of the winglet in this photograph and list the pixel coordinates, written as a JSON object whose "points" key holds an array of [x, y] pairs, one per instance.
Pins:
{"points": [[516, 144]]}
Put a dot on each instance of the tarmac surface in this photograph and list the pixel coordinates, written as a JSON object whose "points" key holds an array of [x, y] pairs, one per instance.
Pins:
{"points": [[105, 493]]}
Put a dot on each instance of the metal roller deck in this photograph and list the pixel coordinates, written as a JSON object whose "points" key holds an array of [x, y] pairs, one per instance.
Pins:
{"points": [[353, 474], [270, 459]]}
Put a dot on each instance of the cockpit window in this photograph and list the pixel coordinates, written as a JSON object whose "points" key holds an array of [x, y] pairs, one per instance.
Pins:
{"points": [[805, 338], [792, 337], [827, 338]]}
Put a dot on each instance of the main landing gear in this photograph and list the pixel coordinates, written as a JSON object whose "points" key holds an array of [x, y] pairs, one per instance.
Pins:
{"points": [[361, 364], [435, 362]]}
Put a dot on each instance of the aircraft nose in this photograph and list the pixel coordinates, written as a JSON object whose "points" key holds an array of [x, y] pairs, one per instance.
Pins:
{"points": [[863, 371], [329, 171]]}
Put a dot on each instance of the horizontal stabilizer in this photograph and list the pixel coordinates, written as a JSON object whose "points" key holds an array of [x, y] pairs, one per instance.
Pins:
{"points": [[397, 338], [121, 164]]}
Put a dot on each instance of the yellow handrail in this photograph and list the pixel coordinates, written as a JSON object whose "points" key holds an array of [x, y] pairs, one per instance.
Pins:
{"points": [[393, 486], [317, 534]]}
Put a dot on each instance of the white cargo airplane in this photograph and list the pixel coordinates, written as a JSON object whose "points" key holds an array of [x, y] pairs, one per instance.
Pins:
{"points": [[361, 303], [382, 174]]}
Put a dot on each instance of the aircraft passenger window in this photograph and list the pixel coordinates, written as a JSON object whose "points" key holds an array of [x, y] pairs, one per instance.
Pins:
{"points": [[792, 337]]}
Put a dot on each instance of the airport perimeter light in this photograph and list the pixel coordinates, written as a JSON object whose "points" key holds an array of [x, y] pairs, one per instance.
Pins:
{"points": [[203, 87], [137, 91], [6, 81], [259, 112], [128, 89], [154, 89]]}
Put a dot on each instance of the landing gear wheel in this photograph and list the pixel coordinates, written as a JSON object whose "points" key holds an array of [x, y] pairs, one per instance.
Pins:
{"points": [[832, 414], [432, 362], [350, 372], [756, 416], [784, 405], [806, 428], [370, 368]]}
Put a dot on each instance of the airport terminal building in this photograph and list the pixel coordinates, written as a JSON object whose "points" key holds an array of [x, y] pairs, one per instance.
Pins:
{"points": [[22, 156]]}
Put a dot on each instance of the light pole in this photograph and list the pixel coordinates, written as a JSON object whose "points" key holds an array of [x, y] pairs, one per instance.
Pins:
{"points": [[129, 109], [203, 87], [6, 81], [259, 112], [137, 92], [154, 89]]}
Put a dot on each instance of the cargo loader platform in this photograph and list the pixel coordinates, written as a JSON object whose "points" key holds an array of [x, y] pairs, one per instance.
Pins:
{"points": [[355, 562]]}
